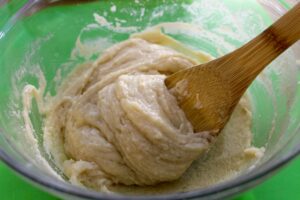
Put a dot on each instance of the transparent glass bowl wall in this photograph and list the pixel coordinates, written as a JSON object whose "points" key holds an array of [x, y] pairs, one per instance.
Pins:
{"points": [[46, 39]]}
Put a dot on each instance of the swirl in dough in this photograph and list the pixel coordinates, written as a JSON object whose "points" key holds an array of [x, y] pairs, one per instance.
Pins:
{"points": [[115, 121]]}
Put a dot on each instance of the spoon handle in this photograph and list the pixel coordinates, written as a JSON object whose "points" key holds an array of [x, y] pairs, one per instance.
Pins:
{"points": [[218, 85], [244, 64]]}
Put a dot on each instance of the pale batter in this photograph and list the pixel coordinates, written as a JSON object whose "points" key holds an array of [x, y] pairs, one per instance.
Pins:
{"points": [[114, 126]]}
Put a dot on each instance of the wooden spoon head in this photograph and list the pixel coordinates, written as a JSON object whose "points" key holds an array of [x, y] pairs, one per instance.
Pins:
{"points": [[204, 96], [208, 93]]}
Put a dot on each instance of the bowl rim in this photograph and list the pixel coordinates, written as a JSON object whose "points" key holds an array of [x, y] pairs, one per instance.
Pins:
{"points": [[225, 189], [241, 182]]}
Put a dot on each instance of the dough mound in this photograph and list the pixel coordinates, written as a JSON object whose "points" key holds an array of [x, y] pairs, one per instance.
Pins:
{"points": [[116, 122]]}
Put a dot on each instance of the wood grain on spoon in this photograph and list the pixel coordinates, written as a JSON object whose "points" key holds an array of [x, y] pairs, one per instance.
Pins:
{"points": [[212, 90]]}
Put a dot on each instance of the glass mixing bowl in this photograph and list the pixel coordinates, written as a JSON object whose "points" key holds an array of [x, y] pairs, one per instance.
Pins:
{"points": [[52, 38]]}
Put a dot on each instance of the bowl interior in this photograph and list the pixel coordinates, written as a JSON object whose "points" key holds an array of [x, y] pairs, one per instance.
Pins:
{"points": [[54, 40]]}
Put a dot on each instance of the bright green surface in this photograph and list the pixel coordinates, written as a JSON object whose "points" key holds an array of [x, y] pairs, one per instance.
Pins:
{"points": [[284, 185], [13, 187]]}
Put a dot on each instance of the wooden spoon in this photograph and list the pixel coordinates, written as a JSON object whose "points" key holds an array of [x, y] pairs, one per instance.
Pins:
{"points": [[208, 93]]}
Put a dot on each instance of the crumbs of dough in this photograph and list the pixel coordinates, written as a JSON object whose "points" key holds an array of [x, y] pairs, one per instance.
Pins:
{"points": [[198, 105], [253, 152], [84, 120], [180, 90]]}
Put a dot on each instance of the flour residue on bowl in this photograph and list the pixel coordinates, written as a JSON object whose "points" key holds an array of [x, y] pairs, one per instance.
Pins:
{"points": [[222, 162], [221, 42]]}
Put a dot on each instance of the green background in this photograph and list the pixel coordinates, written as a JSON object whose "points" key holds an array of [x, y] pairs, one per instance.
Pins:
{"points": [[285, 185]]}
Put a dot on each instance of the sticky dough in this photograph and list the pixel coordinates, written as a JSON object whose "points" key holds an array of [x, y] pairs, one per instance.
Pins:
{"points": [[113, 121]]}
